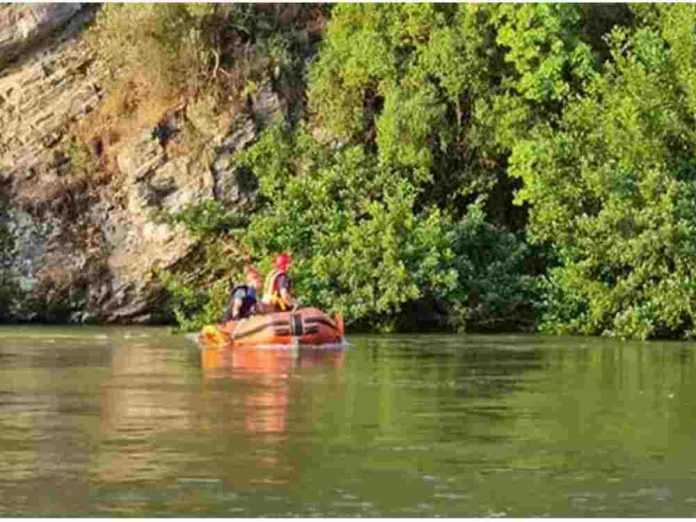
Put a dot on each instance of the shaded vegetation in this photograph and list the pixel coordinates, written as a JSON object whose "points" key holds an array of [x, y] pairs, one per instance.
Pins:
{"points": [[7, 285]]}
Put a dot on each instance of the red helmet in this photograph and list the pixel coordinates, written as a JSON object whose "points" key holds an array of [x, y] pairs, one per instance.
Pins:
{"points": [[283, 261]]}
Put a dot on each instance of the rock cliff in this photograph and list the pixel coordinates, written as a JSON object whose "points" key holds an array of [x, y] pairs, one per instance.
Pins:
{"points": [[86, 246]]}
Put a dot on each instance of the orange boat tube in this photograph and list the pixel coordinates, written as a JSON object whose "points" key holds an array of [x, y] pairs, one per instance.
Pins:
{"points": [[304, 327]]}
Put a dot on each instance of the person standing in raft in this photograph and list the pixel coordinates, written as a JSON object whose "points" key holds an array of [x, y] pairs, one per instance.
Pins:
{"points": [[277, 293], [243, 302]]}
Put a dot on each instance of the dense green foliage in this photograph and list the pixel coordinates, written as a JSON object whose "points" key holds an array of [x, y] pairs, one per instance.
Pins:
{"points": [[612, 187], [403, 80], [474, 166], [361, 246], [382, 195]]}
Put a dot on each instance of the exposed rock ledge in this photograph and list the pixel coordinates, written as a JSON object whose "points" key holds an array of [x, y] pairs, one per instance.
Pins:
{"points": [[76, 248], [23, 26]]}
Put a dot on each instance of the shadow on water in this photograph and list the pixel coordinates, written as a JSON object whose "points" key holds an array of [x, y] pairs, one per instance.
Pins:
{"points": [[138, 422]]}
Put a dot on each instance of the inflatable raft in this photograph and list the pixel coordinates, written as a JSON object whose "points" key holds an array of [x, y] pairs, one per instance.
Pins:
{"points": [[304, 327]]}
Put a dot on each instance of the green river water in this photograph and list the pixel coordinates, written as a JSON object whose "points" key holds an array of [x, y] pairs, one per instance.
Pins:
{"points": [[135, 421]]}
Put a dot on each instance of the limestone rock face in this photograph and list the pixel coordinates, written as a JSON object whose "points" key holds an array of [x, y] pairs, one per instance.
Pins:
{"points": [[24, 26], [233, 186], [88, 247], [40, 97], [49, 84], [137, 242]]}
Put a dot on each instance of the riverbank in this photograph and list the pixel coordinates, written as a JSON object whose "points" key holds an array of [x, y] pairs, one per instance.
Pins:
{"points": [[451, 167]]}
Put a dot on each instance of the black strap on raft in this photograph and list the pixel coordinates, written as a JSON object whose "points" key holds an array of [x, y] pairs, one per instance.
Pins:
{"points": [[296, 328]]}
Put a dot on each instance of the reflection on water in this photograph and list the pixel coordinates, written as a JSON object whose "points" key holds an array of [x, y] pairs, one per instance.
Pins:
{"points": [[139, 422], [263, 380], [267, 373]]}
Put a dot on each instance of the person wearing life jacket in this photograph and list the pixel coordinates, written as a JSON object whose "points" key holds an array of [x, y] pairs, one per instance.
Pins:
{"points": [[277, 293], [243, 301]]}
